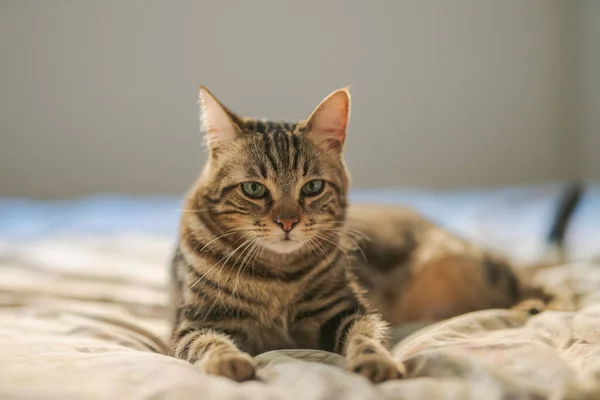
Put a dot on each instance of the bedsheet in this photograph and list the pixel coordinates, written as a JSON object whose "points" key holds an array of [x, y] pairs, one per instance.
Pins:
{"points": [[84, 318]]}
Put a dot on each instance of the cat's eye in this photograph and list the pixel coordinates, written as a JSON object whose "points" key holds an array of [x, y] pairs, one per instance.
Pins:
{"points": [[254, 190], [313, 187]]}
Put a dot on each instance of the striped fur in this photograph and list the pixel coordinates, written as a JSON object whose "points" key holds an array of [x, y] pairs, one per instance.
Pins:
{"points": [[244, 285]]}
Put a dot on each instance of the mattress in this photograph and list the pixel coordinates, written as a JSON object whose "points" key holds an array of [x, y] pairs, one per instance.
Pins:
{"points": [[83, 309]]}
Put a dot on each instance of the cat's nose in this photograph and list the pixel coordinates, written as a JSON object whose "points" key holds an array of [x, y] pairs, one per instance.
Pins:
{"points": [[287, 222]]}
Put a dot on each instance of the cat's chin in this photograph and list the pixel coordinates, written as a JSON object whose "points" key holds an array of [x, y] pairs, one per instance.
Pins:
{"points": [[284, 246]]}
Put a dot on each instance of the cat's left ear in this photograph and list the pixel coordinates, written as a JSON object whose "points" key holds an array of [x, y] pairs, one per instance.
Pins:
{"points": [[328, 122]]}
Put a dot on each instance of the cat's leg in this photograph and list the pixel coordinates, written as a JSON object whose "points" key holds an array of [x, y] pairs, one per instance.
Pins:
{"points": [[213, 352], [365, 346]]}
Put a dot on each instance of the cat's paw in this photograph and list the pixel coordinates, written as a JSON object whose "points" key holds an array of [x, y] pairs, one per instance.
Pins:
{"points": [[377, 368], [531, 306], [234, 365]]}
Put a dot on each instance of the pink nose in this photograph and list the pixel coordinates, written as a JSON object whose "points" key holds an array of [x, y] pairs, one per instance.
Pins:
{"points": [[287, 223]]}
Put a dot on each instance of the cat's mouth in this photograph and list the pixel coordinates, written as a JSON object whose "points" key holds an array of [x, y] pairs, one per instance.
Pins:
{"points": [[285, 244]]}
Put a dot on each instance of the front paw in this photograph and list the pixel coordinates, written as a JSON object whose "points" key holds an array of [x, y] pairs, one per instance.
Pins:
{"points": [[234, 365], [376, 367]]}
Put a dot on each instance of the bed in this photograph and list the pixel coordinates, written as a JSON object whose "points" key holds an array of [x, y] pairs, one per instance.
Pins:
{"points": [[83, 308]]}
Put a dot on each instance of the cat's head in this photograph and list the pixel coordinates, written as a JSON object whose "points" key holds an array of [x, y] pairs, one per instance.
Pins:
{"points": [[283, 185]]}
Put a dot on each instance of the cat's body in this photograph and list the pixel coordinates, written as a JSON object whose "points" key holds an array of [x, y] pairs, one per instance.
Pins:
{"points": [[261, 263], [416, 271]]}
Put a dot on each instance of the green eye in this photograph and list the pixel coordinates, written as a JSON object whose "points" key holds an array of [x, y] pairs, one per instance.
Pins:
{"points": [[254, 190], [313, 188]]}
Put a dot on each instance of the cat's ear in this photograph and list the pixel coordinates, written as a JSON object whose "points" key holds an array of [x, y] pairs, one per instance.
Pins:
{"points": [[216, 121], [329, 121]]}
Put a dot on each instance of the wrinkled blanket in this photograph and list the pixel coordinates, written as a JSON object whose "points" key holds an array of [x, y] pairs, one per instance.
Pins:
{"points": [[85, 319]]}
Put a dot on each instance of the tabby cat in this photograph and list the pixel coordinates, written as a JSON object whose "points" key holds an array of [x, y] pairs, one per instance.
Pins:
{"points": [[261, 261]]}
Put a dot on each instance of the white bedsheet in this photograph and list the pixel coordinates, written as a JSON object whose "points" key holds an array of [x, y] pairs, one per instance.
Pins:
{"points": [[85, 319]]}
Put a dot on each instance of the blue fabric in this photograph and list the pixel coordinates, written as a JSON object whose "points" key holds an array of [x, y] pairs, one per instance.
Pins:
{"points": [[102, 214]]}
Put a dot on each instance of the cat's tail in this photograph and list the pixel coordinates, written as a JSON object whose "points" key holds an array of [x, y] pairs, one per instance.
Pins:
{"points": [[534, 299], [567, 204]]}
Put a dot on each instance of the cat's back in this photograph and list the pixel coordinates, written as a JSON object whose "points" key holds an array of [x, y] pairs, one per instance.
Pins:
{"points": [[415, 270]]}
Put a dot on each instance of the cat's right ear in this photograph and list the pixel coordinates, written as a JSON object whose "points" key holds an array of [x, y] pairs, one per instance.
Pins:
{"points": [[215, 121]]}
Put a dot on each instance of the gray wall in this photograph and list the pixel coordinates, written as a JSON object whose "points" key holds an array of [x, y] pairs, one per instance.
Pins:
{"points": [[588, 87], [101, 96]]}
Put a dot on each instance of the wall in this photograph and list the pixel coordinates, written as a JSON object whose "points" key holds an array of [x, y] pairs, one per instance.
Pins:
{"points": [[587, 128], [101, 96]]}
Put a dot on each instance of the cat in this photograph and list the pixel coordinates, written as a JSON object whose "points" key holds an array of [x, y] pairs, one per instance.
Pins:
{"points": [[261, 262], [271, 256]]}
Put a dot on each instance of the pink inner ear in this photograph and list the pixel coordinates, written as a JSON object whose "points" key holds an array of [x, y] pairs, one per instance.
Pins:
{"points": [[337, 127], [217, 123]]}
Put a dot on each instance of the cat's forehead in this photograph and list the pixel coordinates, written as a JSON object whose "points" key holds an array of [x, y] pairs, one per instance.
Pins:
{"points": [[278, 151], [264, 126]]}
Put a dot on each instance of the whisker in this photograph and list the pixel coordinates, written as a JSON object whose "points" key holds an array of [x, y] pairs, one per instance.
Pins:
{"points": [[243, 254], [193, 210], [333, 243], [260, 249], [225, 259], [350, 236], [348, 231], [308, 244], [318, 247], [245, 244], [257, 253], [354, 242], [351, 230], [244, 264], [224, 235]]}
